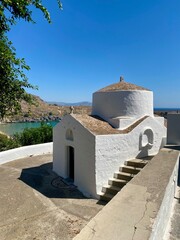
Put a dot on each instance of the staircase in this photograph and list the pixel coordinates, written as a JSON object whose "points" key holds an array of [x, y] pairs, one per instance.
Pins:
{"points": [[121, 178]]}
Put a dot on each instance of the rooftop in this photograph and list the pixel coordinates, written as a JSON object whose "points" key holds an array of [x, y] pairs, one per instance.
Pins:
{"points": [[98, 126], [122, 86]]}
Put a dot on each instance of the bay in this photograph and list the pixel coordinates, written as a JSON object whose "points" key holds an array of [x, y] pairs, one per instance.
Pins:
{"points": [[12, 128]]}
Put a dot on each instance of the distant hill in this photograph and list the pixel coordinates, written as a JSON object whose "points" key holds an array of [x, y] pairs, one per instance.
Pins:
{"points": [[47, 110], [85, 103]]}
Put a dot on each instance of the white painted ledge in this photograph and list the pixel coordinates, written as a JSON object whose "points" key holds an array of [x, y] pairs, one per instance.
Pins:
{"points": [[22, 152]]}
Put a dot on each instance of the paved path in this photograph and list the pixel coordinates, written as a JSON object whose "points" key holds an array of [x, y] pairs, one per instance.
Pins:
{"points": [[36, 205]]}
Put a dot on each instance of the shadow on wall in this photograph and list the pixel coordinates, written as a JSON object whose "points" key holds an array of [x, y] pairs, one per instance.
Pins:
{"points": [[146, 140], [48, 183]]}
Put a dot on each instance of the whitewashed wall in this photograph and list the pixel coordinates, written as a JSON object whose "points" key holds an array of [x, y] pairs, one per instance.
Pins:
{"points": [[123, 103], [22, 152], [98, 157], [113, 150], [84, 154], [173, 128]]}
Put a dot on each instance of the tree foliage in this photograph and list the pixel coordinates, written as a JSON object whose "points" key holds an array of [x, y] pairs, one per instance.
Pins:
{"points": [[13, 80], [13, 10]]}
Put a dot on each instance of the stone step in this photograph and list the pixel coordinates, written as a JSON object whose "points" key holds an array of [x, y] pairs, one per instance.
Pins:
{"points": [[106, 197], [129, 169], [123, 176], [117, 182], [139, 163], [111, 189]]}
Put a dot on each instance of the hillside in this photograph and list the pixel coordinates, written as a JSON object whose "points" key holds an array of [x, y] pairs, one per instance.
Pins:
{"points": [[45, 111], [72, 104]]}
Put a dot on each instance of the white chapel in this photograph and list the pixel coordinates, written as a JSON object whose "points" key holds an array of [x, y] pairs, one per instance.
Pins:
{"points": [[89, 148]]}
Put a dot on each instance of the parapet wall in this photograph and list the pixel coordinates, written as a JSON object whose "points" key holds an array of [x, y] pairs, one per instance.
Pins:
{"points": [[141, 210], [173, 128], [22, 152]]}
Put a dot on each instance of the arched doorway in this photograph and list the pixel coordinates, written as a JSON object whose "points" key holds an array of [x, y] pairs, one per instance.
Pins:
{"points": [[70, 155]]}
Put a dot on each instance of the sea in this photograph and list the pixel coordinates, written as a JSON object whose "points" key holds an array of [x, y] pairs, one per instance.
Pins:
{"points": [[12, 128], [167, 110]]}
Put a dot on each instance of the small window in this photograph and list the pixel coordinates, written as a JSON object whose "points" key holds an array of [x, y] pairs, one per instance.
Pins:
{"points": [[69, 135]]}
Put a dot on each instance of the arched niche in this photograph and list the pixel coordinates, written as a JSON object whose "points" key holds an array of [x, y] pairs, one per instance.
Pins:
{"points": [[69, 135], [147, 138]]}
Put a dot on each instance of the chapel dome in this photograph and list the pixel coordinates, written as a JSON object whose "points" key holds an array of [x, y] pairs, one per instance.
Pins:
{"points": [[122, 100], [122, 85]]}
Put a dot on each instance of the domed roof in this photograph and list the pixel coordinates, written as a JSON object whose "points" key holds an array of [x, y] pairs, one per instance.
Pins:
{"points": [[122, 86]]}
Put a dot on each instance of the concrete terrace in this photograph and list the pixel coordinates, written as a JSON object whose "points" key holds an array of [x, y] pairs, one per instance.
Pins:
{"points": [[141, 210], [36, 204]]}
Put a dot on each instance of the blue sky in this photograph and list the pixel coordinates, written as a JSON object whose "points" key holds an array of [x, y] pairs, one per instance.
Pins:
{"points": [[91, 43]]}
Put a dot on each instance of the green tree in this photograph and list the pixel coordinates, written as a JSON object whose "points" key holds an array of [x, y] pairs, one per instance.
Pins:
{"points": [[13, 80], [13, 10]]}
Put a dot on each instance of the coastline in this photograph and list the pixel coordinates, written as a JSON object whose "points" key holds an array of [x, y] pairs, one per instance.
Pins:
{"points": [[11, 128], [3, 133], [32, 120]]}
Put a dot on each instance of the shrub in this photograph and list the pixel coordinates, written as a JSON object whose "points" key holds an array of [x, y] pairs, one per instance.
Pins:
{"points": [[7, 143], [30, 136], [26, 115]]}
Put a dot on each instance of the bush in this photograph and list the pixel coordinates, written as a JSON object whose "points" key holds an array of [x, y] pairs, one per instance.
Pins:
{"points": [[29, 136], [32, 136], [26, 115], [7, 143]]}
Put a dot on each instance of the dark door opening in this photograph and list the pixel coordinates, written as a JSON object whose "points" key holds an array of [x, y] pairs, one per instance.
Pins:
{"points": [[71, 162]]}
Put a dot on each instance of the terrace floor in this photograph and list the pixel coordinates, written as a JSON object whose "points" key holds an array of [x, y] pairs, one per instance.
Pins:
{"points": [[36, 204]]}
